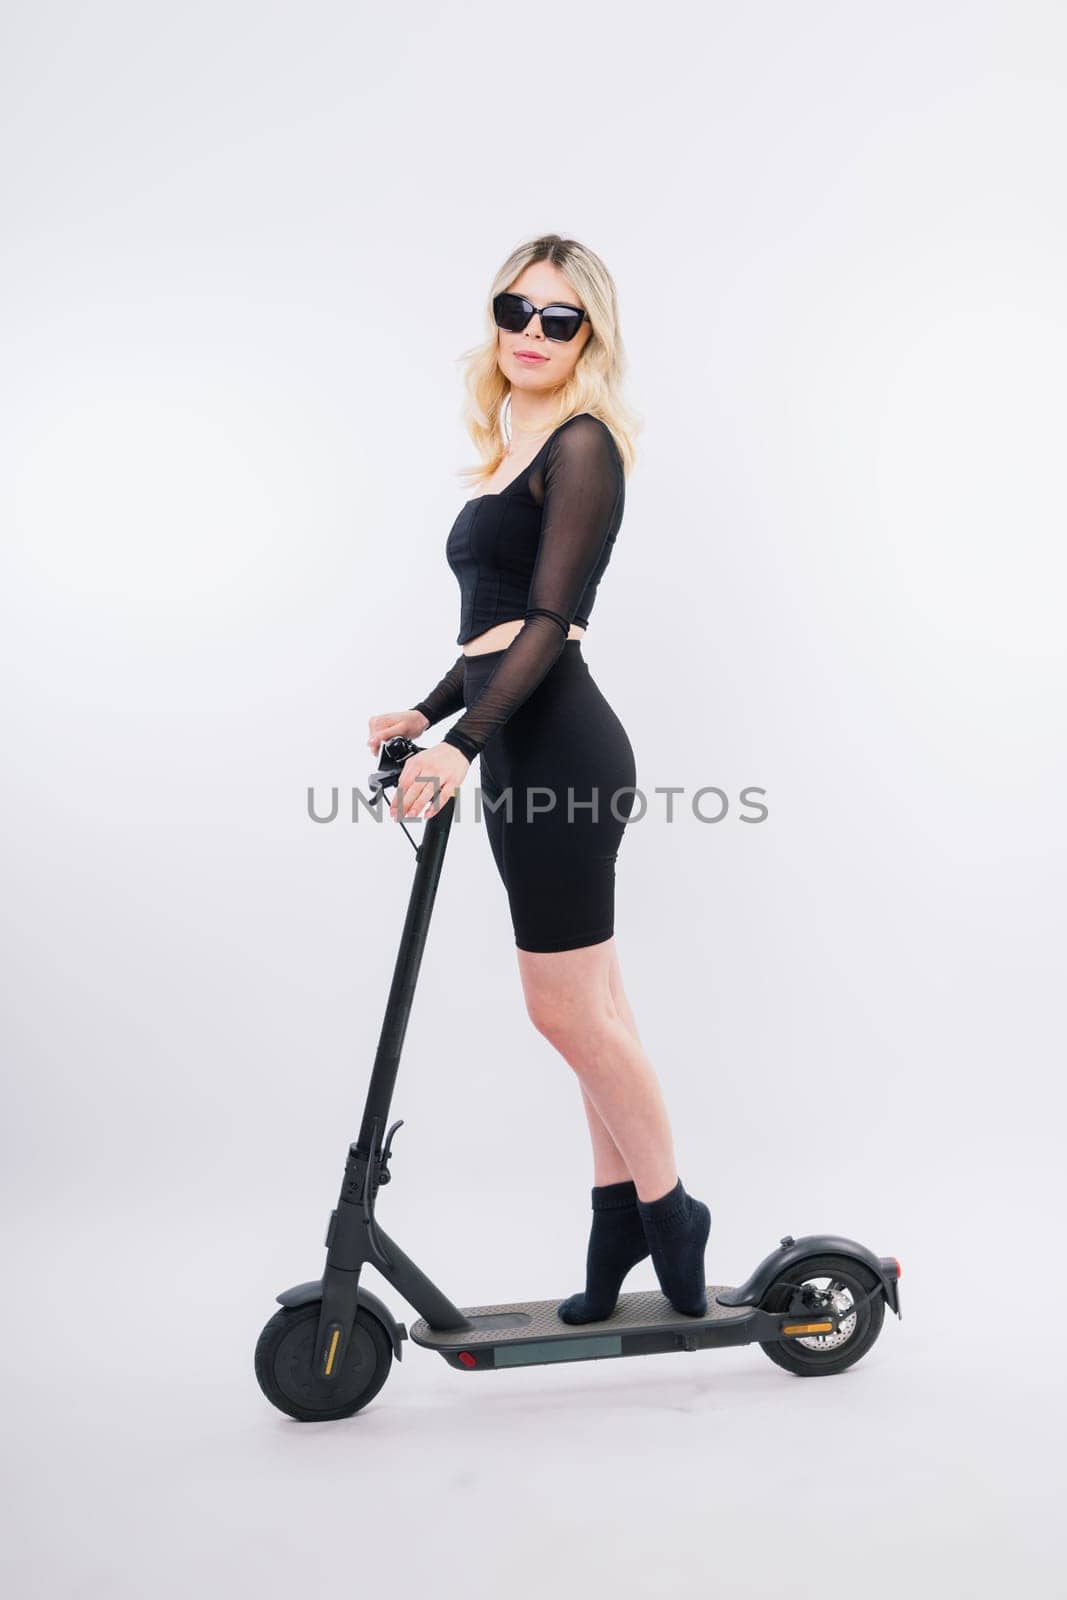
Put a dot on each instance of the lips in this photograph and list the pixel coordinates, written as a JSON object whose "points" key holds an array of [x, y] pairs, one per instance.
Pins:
{"points": [[529, 355]]}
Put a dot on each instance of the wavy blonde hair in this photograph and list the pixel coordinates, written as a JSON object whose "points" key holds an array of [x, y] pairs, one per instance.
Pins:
{"points": [[595, 385]]}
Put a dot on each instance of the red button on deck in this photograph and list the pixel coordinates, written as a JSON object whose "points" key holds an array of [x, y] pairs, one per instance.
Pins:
{"points": [[467, 1359]]}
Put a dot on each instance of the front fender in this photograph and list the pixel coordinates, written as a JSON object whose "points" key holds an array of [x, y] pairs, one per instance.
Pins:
{"points": [[792, 1250], [303, 1294]]}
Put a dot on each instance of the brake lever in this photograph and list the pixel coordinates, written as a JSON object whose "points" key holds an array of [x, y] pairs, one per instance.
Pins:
{"points": [[394, 753]]}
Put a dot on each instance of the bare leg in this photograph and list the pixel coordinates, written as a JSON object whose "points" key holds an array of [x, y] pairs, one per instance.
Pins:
{"points": [[608, 1164], [573, 1000]]}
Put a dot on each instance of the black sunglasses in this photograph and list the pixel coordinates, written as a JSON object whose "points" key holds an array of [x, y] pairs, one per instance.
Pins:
{"points": [[513, 312]]}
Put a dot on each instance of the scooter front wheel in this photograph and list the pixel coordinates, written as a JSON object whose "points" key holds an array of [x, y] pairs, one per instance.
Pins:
{"points": [[285, 1355], [819, 1284]]}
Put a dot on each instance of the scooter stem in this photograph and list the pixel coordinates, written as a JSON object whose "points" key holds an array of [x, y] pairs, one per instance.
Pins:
{"points": [[348, 1246]]}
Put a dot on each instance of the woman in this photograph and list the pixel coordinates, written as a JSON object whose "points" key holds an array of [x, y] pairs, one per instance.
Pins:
{"points": [[557, 768]]}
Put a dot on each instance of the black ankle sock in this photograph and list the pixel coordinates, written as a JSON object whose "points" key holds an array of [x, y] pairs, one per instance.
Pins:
{"points": [[616, 1243], [677, 1227]]}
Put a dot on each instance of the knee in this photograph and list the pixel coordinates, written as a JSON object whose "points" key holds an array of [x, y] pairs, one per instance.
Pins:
{"points": [[545, 1016], [571, 1025]]}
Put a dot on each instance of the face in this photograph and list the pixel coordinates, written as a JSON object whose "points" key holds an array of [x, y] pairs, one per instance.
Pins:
{"points": [[543, 284]]}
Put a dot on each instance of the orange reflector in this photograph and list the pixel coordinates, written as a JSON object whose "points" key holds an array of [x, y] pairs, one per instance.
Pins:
{"points": [[808, 1327]]}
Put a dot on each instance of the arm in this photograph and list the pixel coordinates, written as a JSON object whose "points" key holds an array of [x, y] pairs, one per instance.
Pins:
{"points": [[583, 492], [446, 697]]}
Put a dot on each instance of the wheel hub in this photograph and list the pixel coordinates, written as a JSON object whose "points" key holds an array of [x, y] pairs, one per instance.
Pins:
{"points": [[837, 1298]]}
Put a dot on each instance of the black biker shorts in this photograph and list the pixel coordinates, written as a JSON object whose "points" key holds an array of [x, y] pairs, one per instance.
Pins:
{"points": [[565, 759]]}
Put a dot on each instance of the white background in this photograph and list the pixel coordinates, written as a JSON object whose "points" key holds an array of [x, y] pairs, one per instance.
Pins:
{"points": [[244, 249]]}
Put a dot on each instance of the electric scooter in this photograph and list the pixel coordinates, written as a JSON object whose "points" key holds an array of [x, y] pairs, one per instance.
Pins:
{"points": [[814, 1304]]}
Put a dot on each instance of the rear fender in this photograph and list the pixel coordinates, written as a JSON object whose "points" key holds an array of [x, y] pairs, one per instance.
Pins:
{"points": [[790, 1251]]}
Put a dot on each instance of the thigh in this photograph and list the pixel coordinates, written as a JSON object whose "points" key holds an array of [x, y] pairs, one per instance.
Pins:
{"points": [[491, 812], [568, 763]]}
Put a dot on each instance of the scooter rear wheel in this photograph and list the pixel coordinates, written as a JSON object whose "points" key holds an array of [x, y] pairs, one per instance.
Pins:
{"points": [[838, 1281], [284, 1357]]}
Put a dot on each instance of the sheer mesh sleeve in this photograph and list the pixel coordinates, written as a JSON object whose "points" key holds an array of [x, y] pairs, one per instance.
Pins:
{"points": [[583, 491], [447, 696]]}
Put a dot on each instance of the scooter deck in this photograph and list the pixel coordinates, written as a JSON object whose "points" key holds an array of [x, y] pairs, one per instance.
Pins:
{"points": [[529, 1332]]}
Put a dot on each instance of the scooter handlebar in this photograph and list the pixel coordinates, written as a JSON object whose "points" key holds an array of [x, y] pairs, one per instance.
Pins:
{"points": [[393, 754]]}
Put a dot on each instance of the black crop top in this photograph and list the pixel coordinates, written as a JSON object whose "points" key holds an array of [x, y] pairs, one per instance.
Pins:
{"points": [[537, 550]]}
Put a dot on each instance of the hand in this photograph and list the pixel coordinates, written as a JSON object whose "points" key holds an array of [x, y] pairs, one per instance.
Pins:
{"points": [[393, 725], [415, 789]]}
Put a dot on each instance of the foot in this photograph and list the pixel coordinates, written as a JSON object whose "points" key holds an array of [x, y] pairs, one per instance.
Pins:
{"points": [[677, 1227], [617, 1242]]}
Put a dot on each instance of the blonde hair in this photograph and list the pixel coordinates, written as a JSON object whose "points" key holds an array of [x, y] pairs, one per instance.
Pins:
{"points": [[595, 385]]}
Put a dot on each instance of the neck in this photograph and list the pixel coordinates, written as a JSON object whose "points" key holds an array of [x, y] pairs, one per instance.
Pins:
{"points": [[528, 420]]}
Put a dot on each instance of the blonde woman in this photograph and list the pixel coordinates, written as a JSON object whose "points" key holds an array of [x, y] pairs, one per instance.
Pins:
{"points": [[529, 549]]}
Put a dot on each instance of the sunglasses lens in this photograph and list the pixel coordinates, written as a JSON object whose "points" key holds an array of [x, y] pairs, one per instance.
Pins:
{"points": [[560, 322], [512, 312]]}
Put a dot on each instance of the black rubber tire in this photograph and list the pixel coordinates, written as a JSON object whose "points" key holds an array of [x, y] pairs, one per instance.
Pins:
{"points": [[859, 1280], [284, 1357]]}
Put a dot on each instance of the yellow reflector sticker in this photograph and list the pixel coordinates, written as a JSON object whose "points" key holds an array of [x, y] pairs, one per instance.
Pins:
{"points": [[332, 1351]]}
